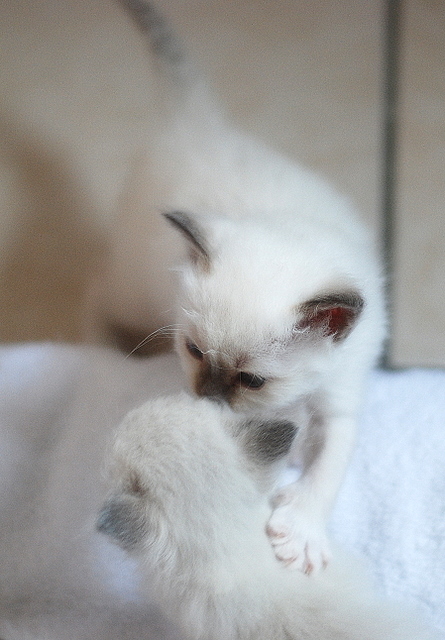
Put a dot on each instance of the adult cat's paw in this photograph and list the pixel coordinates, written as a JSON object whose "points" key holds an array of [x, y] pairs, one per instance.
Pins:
{"points": [[298, 540]]}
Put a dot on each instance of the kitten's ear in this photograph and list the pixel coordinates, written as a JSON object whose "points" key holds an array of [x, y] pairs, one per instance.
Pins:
{"points": [[195, 235], [122, 516], [331, 314], [266, 440]]}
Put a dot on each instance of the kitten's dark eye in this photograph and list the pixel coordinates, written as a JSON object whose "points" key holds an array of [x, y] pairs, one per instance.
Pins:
{"points": [[193, 350], [251, 380]]}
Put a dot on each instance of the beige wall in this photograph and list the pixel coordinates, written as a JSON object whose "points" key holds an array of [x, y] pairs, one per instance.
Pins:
{"points": [[305, 76]]}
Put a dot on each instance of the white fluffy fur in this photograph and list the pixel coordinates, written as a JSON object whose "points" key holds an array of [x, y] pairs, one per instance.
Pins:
{"points": [[245, 308], [276, 237], [199, 506]]}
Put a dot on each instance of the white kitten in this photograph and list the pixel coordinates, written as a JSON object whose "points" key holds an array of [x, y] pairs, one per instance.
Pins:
{"points": [[281, 300], [275, 314], [189, 500]]}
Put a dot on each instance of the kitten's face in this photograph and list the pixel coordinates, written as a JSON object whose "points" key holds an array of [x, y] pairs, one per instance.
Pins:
{"points": [[249, 334], [246, 371]]}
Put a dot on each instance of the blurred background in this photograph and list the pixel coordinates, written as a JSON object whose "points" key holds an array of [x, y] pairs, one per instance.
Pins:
{"points": [[306, 77]]}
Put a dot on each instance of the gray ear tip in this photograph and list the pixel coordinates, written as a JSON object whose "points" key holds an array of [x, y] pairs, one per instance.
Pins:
{"points": [[288, 428], [170, 215], [286, 432], [103, 521], [194, 233], [267, 441], [172, 218], [119, 518], [178, 218]]}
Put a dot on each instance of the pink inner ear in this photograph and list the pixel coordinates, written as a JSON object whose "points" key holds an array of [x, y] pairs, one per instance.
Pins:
{"points": [[334, 321], [338, 319]]}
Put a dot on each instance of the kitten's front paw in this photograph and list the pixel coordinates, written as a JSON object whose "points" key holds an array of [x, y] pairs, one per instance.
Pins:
{"points": [[298, 541]]}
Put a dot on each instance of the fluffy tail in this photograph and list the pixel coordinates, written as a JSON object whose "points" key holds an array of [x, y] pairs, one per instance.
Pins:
{"points": [[160, 39], [162, 42], [188, 104]]}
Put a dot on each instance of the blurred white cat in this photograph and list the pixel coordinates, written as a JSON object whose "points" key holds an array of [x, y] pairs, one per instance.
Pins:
{"points": [[188, 500]]}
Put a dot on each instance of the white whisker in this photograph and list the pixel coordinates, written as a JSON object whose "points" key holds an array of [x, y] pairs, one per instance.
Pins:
{"points": [[167, 331]]}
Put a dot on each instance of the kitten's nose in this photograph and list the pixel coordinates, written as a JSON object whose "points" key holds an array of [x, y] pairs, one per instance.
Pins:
{"points": [[213, 391], [213, 383]]}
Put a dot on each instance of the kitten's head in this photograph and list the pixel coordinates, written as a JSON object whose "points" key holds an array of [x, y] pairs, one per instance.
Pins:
{"points": [[190, 481], [261, 309], [184, 471]]}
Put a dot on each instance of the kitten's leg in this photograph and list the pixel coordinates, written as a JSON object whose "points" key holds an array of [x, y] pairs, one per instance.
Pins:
{"points": [[297, 527]]}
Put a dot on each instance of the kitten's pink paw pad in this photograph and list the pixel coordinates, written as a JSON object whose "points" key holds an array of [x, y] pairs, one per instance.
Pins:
{"points": [[297, 542]]}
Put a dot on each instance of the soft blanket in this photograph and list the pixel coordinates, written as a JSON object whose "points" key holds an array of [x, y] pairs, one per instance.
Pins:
{"points": [[391, 508]]}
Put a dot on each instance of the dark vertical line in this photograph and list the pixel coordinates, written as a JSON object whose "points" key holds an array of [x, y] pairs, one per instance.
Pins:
{"points": [[389, 164]]}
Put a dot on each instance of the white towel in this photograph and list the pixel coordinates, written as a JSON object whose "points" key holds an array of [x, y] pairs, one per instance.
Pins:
{"points": [[391, 507], [392, 504]]}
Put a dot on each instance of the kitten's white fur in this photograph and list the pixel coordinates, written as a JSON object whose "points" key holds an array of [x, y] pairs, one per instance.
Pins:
{"points": [[189, 499], [277, 234], [268, 239]]}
